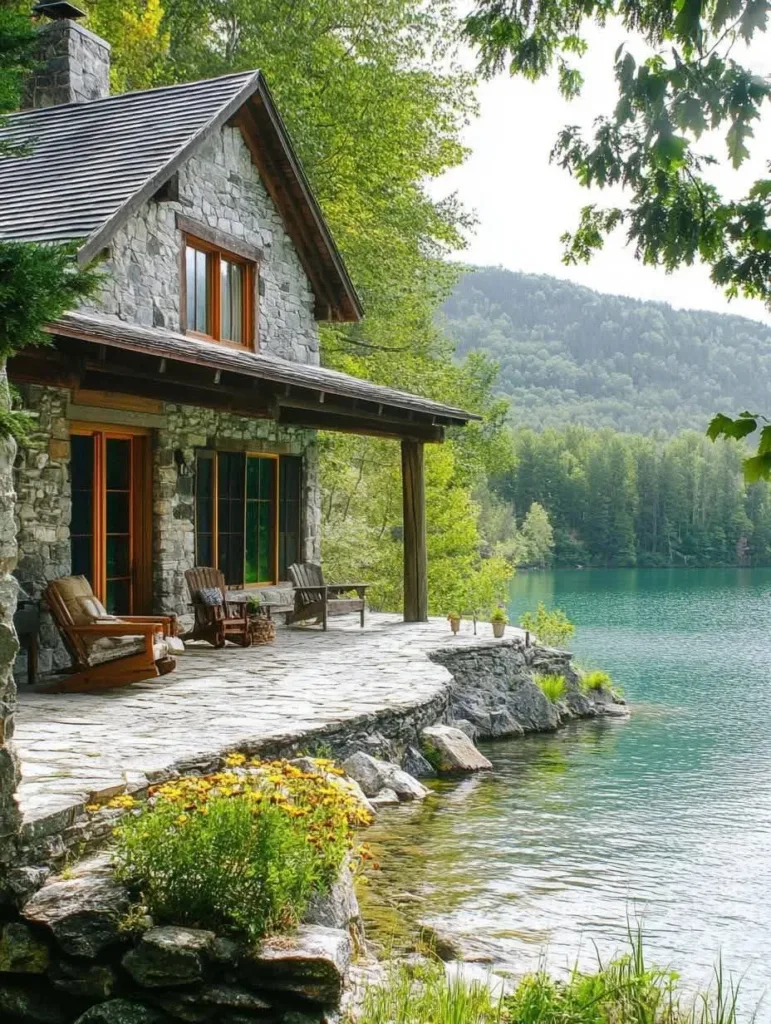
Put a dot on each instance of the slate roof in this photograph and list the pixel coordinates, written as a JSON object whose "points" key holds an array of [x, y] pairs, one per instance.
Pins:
{"points": [[107, 330], [92, 164]]}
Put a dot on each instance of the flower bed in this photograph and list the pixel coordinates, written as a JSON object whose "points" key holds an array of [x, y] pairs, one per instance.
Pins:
{"points": [[242, 851]]}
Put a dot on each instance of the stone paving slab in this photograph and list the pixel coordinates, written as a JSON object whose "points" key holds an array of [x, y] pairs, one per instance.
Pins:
{"points": [[77, 746]]}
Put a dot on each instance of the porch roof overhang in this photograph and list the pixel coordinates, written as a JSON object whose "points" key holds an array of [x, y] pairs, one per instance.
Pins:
{"points": [[102, 352]]}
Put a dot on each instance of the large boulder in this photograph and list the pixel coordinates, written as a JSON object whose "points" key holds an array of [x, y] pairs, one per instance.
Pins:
{"points": [[169, 956], [450, 750], [311, 963], [374, 775], [21, 952], [121, 1011], [84, 910]]}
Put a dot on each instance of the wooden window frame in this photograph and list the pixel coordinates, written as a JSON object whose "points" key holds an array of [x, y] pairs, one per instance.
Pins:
{"points": [[140, 516], [214, 255], [213, 454]]}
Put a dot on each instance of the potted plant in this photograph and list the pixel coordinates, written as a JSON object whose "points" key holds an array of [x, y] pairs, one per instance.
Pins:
{"points": [[253, 605], [499, 618], [454, 619]]}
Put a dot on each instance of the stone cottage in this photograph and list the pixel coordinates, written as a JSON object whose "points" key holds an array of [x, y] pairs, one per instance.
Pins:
{"points": [[177, 411]]}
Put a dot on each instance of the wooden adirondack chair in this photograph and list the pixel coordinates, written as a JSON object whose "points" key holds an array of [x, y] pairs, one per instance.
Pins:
{"points": [[216, 623], [315, 599], [106, 650]]}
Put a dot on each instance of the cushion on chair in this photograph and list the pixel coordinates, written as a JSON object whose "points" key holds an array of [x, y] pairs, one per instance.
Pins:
{"points": [[110, 648], [78, 598], [210, 596]]}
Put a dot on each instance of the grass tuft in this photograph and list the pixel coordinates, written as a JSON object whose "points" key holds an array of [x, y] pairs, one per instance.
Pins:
{"points": [[553, 686], [596, 680], [625, 991]]}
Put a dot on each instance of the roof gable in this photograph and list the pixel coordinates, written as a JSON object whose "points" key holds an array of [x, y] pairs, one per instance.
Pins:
{"points": [[93, 164]]}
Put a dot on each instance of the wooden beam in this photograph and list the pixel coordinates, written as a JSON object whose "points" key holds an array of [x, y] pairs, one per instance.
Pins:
{"points": [[415, 545], [345, 423]]}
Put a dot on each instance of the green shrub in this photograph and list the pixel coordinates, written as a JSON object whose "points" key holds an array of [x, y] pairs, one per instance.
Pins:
{"points": [[596, 680], [553, 686], [242, 851], [552, 628]]}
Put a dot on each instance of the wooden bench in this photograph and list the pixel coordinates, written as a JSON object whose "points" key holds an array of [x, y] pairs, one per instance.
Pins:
{"points": [[315, 599]]}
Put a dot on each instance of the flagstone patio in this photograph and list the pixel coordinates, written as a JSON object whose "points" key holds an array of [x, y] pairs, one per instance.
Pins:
{"points": [[78, 747]]}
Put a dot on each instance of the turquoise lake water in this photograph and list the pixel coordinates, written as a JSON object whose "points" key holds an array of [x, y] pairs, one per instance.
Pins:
{"points": [[665, 817]]}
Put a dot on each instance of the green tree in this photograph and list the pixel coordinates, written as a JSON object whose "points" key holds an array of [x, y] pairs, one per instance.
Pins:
{"points": [[537, 536]]}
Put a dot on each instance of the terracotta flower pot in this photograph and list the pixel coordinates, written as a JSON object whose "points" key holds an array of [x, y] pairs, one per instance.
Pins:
{"points": [[455, 625], [499, 628]]}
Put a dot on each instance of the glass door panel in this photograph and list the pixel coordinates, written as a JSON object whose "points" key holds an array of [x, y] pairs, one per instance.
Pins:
{"points": [[110, 523], [230, 516], [118, 526], [82, 523], [260, 519]]}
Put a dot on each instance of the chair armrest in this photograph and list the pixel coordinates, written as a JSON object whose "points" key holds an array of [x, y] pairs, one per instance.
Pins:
{"points": [[341, 588], [117, 629], [168, 622]]}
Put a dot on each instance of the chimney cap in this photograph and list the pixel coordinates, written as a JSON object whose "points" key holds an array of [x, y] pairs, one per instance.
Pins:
{"points": [[60, 10]]}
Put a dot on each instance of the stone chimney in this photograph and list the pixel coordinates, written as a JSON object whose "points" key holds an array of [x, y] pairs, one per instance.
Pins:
{"points": [[74, 64]]}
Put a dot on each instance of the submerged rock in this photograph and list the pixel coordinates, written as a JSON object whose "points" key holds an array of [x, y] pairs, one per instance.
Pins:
{"points": [[374, 775], [83, 911], [169, 956], [311, 963], [450, 750], [447, 947]]}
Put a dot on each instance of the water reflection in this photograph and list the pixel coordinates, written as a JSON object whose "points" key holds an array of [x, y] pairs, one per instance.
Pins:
{"points": [[667, 816]]}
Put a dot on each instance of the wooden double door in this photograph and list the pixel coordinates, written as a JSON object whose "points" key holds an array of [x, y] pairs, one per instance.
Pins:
{"points": [[111, 525]]}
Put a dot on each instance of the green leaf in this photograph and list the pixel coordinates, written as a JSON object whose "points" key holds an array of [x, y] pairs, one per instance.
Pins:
{"points": [[764, 445], [757, 468], [724, 426]]}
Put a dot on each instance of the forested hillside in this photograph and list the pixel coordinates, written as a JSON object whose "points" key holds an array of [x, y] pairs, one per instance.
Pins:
{"points": [[618, 499], [568, 354]]}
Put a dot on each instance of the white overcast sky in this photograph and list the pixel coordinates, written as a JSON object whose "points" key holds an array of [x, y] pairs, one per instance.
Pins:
{"points": [[523, 203]]}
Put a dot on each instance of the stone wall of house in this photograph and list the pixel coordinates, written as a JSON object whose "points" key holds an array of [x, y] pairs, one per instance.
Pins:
{"points": [[43, 506], [221, 188]]}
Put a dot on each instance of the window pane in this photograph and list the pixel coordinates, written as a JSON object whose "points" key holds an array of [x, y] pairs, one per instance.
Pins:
{"points": [[118, 597], [201, 293], [204, 510], [118, 464], [190, 286], [231, 513], [232, 301], [260, 520], [225, 313], [118, 512]]}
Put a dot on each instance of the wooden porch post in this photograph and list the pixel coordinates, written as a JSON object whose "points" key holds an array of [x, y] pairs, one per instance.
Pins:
{"points": [[415, 559]]}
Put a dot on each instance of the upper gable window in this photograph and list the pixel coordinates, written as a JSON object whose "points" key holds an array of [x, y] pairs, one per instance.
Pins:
{"points": [[219, 294]]}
